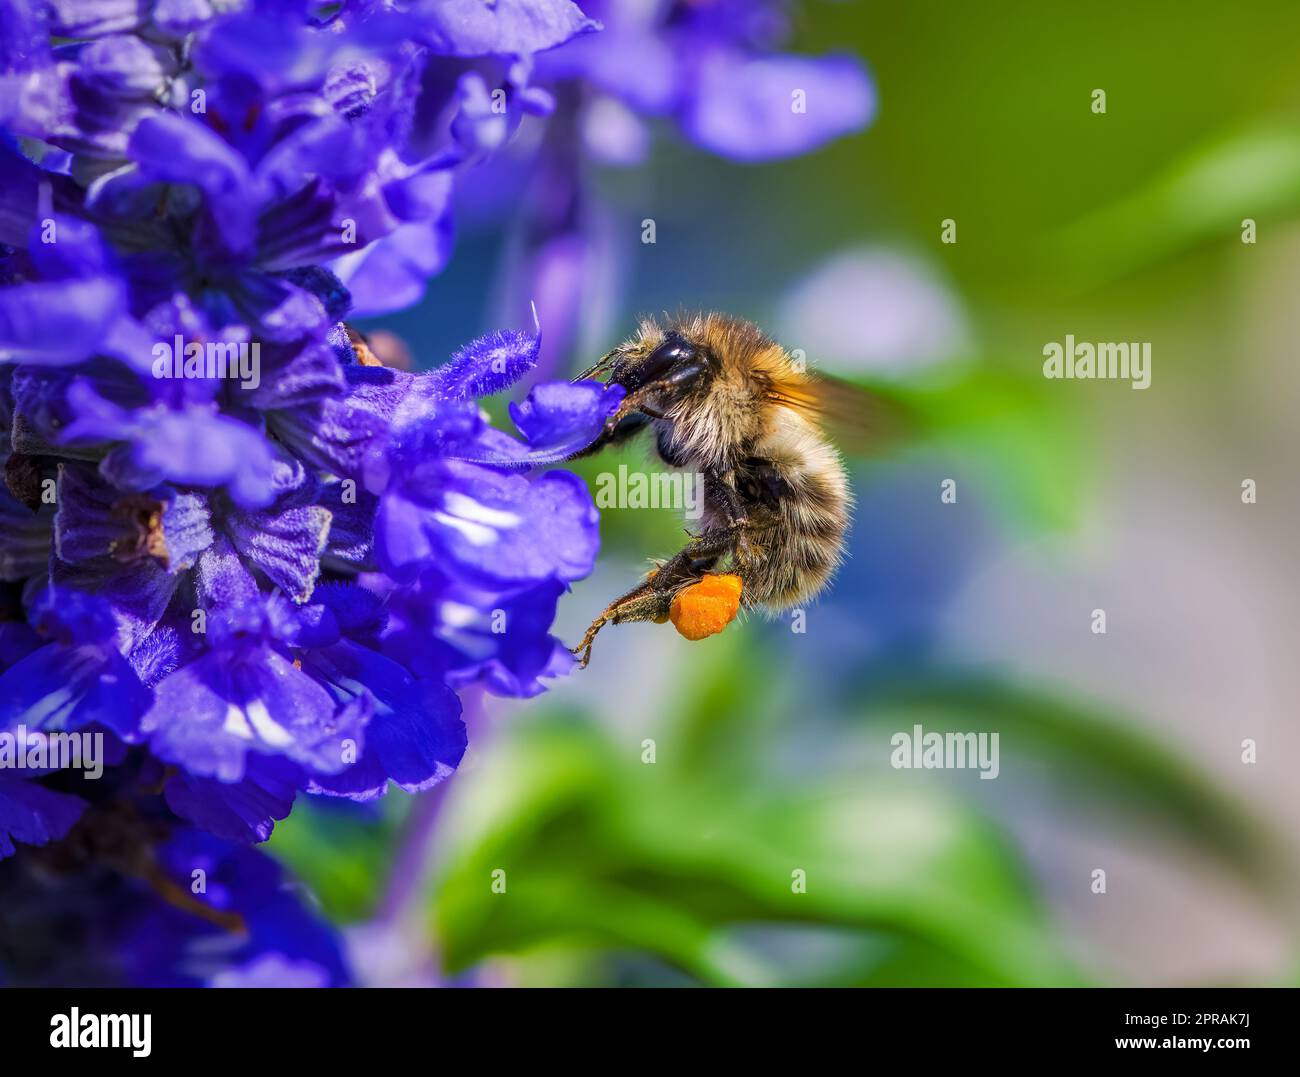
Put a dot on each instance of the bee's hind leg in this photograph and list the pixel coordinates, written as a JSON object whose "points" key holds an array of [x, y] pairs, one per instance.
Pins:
{"points": [[645, 603], [652, 599]]}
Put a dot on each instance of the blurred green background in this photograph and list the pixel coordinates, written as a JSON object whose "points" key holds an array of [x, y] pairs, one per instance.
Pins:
{"points": [[1121, 752]]}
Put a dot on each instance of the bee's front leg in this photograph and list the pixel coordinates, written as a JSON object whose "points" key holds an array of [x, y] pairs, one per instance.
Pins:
{"points": [[633, 405], [627, 427], [674, 370]]}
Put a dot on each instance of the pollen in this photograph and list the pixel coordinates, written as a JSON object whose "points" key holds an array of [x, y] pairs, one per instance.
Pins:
{"points": [[704, 609]]}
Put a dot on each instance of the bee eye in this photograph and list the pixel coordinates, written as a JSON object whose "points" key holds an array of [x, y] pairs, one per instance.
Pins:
{"points": [[674, 351]]}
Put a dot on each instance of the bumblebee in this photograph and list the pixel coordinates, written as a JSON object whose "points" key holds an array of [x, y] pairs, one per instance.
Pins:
{"points": [[722, 399]]}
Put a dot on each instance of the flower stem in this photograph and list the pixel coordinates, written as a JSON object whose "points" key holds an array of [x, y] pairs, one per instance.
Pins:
{"points": [[414, 859]]}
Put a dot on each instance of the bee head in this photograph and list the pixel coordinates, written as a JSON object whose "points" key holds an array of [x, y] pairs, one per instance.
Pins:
{"points": [[670, 364]]}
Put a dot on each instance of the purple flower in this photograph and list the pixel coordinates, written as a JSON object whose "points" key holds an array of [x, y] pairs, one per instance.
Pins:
{"points": [[757, 108], [79, 678], [200, 912], [475, 634], [32, 814], [256, 563], [415, 737], [241, 811], [214, 500], [249, 698], [717, 72], [503, 28]]}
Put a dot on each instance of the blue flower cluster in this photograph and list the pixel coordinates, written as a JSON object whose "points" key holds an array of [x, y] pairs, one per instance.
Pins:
{"points": [[235, 548], [237, 551]]}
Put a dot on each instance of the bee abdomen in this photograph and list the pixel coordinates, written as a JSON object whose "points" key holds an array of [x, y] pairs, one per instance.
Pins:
{"points": [[797, 485], [792, 567]]}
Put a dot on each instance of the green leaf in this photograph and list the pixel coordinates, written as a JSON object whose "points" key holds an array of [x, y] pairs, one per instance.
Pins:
{"points": [[342, 858], [598, 849], [1204, 197], [1097, 753]]}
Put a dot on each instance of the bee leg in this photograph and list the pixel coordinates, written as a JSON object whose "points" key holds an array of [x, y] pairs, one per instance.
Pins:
{"points": [[721, 495], [628, 426], [631, 417], [653, 598], [681, 369], [644, 603], [722, 498], [631, 405]]}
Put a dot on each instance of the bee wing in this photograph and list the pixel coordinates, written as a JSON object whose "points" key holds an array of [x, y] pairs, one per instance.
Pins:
{"points": [[860, 419]]}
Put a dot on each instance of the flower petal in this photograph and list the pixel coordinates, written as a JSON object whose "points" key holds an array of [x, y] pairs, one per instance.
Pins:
{"points": [[34, 815], [497, 529], [487, 365], [776, 106], [416, 737], [502, 28], [60, 687], [211, 714], [557, 420], [244, 811], [177, 148]]}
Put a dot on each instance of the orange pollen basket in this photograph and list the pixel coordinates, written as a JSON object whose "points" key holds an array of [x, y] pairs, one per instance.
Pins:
{"points": [[704, 609]]}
